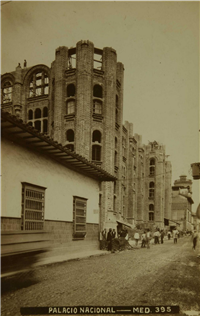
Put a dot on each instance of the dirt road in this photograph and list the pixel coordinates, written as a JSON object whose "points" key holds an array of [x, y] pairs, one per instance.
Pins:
{"points": [[165, 274]]}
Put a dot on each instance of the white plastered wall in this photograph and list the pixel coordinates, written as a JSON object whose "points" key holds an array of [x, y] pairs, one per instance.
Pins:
{"points": [[22, 165]]}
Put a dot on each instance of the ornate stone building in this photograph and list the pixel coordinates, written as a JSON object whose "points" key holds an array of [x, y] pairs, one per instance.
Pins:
{"points": [[78, 102]]}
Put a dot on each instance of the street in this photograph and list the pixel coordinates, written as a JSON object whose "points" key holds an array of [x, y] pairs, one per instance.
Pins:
{"points": [[166, 274]]}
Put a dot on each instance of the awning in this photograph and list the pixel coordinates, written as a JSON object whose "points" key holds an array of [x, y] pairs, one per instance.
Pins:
{"points": [[125, 224], [170, 220]]}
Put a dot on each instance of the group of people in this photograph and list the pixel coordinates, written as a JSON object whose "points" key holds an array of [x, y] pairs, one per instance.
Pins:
{"points": [[158, 237], [106, 238]]}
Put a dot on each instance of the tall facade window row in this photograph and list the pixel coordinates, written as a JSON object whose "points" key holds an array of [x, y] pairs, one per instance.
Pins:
{"points": [[39, 119], [97, 101], [96, 143]]}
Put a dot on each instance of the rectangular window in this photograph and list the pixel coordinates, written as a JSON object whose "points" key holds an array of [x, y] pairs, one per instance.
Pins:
{"points": [[97, 107], [33, 198], [79, 217], [70, 107]]}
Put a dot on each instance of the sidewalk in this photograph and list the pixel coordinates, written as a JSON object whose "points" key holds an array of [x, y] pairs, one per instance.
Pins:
{"points": [[68, 257], [52, 259]]}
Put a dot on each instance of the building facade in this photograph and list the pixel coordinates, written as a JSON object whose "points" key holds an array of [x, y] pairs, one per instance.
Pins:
{"points": [[78, 102], [46, 187], [182, 204]]}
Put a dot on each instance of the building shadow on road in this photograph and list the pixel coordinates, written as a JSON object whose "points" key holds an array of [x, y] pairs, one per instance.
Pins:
{"points": [[18, 281]]}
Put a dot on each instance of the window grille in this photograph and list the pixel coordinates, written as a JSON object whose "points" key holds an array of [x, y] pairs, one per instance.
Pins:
{"points": [[33, 205], [79, 217]]}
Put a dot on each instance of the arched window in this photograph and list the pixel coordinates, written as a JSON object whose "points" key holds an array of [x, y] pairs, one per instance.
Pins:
{"points": [[152, 167], [37, 113], [39, 120], [96, 149], [151, 207], [96, 136], [70, 135], [151, 212], [30, 114], [97, 91], [151, 190], [96, 153], [71, 90], [6, 92], [39, 84], [151, 216], [152, 162], [70, 109]]}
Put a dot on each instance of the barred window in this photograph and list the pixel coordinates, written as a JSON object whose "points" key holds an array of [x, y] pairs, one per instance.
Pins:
{"points": [[79, 217], [33, 205]]}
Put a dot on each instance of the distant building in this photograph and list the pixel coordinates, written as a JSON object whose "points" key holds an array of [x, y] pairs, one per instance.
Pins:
{"points": [[78, 102], [182, 203]]}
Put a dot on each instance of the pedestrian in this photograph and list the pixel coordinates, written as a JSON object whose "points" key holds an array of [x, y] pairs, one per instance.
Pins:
{"points": [[162, 235], [113, 233], [148, 238], [156, 237], [136, 237], [175, 235], [169, 235], [143, 238], [194, 239], [109, 239], [103, 242]]}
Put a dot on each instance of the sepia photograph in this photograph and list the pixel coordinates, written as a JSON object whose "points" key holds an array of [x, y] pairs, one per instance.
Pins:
{"points": [[100, 158]]}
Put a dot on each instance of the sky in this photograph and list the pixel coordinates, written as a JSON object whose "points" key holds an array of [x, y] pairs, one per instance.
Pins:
{"points": [[158, 43]]}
